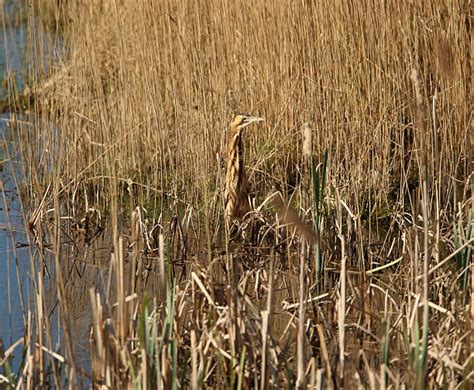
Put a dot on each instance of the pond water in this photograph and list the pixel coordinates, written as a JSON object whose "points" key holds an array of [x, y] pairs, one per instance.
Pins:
{"points": [[14, 262], [14, 257], [15, 276]]}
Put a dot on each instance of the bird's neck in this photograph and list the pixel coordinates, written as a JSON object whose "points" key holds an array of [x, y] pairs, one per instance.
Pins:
{"points": [[236, 146]]}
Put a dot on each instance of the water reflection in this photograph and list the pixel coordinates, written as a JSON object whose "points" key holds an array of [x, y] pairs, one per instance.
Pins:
{"points": [[15, 271]]}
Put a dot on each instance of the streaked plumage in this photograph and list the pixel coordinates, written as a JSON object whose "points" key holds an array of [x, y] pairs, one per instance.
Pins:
{"points": [[237, 186]]}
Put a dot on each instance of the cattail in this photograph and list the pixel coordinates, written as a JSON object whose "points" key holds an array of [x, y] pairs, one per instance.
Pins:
{"points": [[307, 140], [416, 83]]}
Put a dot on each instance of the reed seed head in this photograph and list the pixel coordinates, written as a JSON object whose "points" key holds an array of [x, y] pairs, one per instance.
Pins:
{"points": [[307, 140]]}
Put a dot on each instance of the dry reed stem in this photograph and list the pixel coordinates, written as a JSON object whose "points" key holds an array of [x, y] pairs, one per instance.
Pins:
{"points": [[325, 356], [300, 334], [341, 310]]}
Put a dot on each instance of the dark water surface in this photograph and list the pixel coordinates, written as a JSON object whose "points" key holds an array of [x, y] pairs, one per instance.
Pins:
{"points": [[14, 257], [14, 262], [15, 254]]}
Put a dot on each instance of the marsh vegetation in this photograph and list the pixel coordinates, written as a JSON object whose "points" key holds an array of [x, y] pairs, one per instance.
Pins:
{"points": [[353, 266]]}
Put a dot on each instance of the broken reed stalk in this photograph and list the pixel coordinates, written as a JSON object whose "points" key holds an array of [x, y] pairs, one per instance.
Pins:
{"points": [[162, 264], [42, 324], [120, 280], [135, 225], [194, 362], [325, 356], [266, 330], [341, 312], [301, 320]]}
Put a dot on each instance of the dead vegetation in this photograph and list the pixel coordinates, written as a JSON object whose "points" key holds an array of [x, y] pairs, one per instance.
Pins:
{"points": [[353, 265]]}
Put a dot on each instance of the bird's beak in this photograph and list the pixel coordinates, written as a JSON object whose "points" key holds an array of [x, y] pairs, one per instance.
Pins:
{"points": [[252, 119]]}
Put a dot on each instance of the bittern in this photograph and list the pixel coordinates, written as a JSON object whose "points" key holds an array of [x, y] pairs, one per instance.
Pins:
{"points": [[237, 187]]}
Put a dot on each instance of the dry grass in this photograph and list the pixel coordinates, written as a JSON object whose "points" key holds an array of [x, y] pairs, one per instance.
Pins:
{"points": [[134, 123]]}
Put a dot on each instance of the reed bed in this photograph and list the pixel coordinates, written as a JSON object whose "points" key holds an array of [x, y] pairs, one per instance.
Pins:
{"points": [[353, 268]]}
